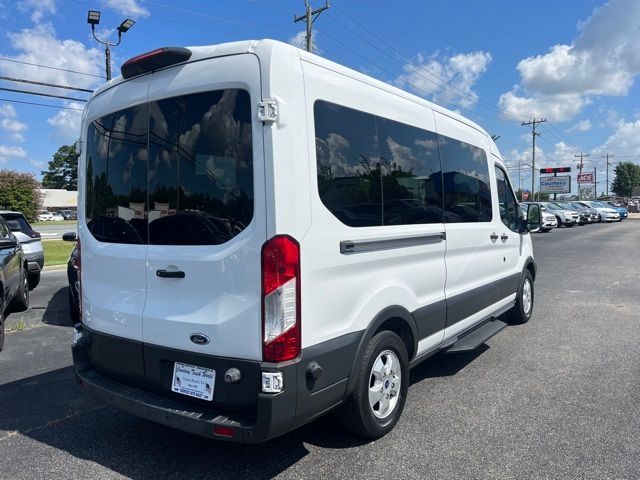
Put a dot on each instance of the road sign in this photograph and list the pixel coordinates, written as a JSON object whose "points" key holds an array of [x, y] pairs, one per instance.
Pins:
{"points": [[585, 178], [556, 170], [561, 184]]}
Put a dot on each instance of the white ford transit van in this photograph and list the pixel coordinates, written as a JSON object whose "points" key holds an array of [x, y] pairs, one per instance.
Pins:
{"points": [[265, 236]]}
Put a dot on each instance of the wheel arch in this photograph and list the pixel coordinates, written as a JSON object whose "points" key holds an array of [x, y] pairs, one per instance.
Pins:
{"points": [[394, 318], [530, 264]]}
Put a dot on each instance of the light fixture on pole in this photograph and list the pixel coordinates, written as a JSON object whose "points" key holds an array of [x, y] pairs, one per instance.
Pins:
{"points": [[93, 19]]}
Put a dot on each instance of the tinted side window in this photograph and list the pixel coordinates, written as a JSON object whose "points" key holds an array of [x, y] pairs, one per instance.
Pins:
{"points": [[348, 161], [201, 168], [467, 190], [411, 174], [373, 171], [507, 201], [116, 190]]}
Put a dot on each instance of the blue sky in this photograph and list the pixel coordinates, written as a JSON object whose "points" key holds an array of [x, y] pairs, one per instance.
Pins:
{"points": [[499, 63]]}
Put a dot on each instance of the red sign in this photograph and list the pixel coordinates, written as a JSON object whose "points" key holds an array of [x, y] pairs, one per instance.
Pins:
{"points": [[585, 178], [555, 170]]}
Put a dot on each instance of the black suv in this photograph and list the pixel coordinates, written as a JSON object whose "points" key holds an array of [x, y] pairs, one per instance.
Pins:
{"points": [[14, 284]]}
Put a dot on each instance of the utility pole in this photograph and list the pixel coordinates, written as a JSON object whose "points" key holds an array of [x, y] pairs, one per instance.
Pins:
{"points": [[581, 156], [309, 17], [608, 156], [534, 123]]}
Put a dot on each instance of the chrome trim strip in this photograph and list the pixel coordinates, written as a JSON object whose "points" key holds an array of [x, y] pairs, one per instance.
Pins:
{"points": [[347, 247]]}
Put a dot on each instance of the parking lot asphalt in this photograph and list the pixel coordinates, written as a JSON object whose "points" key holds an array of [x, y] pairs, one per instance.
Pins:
{"points": [[556, 398]]}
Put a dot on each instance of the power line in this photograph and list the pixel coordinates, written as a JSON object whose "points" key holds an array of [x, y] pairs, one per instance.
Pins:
{"points": [[33, 82], [534, 123], [49, 67], [39, 104], [582, 156], [464, 94], [42, 94]]}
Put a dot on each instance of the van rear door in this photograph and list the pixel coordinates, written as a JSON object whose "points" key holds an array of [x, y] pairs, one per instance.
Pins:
{"points": [[206, 217]]}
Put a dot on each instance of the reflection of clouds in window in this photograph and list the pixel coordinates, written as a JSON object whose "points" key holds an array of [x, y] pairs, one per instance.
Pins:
{"points": [[477, 153], [403, 156], [332, 154], [429, 145]]}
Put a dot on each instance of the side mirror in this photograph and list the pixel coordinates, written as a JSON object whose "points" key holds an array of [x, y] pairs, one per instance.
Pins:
{"points": [[534, 218], [9, 242], [69, 237]]}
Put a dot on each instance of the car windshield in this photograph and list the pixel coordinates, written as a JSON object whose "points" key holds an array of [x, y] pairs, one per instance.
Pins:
{"points": [[552, 206]]}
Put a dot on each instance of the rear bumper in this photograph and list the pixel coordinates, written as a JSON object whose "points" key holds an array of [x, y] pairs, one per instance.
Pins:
{"points": [[301, 400]]}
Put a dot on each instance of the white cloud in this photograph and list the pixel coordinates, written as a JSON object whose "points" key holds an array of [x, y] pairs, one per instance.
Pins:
{"points": [[602, 60], [626, 138], [41, 46], [7, 110], [581, 126], [7, 153], [300, 40], [38, 8], [38, 164], [427, 75], [14, 127], [66, 123], [130, 7]]}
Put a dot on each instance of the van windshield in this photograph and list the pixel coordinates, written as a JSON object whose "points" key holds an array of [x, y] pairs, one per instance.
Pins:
{"points": [[177, 171]]}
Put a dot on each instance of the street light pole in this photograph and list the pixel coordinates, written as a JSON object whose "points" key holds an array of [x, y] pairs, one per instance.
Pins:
{"points": [[93, 19]]}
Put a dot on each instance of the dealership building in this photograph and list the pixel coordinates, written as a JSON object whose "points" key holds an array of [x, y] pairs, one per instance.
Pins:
{"points": [[58, 199]]}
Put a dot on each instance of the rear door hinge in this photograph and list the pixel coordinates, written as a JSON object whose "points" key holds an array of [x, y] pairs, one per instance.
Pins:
{"points": [[268, 110]]}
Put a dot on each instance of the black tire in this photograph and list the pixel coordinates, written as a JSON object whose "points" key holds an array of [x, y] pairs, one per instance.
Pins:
{"points": [[518, 314], [20, 302], [356, 414], [34, 280]]}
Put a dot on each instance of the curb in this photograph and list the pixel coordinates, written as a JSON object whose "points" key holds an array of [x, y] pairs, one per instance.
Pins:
{"points": [[55, 268]]}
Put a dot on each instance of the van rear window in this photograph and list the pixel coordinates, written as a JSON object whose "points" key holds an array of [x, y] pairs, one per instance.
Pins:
{"points": [[177, 171]]}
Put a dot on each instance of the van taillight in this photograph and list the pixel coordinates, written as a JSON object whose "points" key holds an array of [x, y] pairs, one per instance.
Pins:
{"points": [[281, 329], [154, 60], [78, 265]]}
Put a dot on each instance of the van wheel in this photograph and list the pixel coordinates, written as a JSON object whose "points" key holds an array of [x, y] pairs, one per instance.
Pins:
{"points": [[521, 312], [20, 302], [375, 405]]}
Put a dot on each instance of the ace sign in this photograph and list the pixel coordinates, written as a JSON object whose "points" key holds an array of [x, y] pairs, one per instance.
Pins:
{"points": [[585, 178]]}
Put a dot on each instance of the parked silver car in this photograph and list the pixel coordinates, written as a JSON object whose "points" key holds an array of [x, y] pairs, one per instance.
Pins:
{"points": [[31, 244], [565, 217]]}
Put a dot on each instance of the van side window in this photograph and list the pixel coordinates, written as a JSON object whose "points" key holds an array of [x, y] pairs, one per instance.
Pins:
{"points": [[373, 171], [507, 200], [467, 190], [411, 174], [348, 161], [116, 193]]}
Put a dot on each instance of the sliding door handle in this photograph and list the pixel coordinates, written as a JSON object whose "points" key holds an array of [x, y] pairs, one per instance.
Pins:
{"points": [[170, 274]]}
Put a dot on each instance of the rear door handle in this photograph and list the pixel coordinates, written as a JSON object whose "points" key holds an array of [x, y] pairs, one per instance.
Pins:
{"points": [[493, 237], [504, 237], [170, 273]]}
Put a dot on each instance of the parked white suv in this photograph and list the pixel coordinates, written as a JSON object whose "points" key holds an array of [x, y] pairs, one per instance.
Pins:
{"points": [[262, 239]]}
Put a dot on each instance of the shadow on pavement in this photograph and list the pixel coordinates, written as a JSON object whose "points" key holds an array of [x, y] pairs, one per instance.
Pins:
{"points": [[52, 409], [57, 311]]}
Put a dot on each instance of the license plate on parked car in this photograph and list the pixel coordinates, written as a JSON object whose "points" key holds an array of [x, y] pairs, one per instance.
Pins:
{"points": [[193, 381]]}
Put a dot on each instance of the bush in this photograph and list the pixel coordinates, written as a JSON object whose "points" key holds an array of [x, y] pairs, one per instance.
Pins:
{"points": [[21, 192]]}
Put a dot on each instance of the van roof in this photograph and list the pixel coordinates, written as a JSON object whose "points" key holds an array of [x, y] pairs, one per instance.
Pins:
{"points": [[266, 49]]}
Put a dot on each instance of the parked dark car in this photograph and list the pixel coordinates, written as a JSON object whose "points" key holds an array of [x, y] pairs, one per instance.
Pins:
{"points": [[30, 241], [69, 214], [73, 265], [14, 282]]}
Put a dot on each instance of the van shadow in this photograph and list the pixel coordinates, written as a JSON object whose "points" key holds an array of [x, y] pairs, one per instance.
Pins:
{"points": [[71, 421], [57, 311]]}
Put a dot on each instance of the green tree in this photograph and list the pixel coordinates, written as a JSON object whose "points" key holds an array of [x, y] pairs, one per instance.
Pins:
{"points": [[21, 192], [63, 169], [627, 176]]}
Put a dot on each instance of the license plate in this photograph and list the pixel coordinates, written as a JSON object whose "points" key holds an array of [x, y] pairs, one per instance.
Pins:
{"points": [[193, 381]]}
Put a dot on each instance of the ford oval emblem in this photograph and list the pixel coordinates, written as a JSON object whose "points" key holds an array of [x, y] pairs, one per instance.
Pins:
{"points": [[199, 339]]}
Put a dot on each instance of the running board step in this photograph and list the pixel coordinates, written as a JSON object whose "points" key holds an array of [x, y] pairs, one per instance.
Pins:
{"points": [[475, 338]]}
